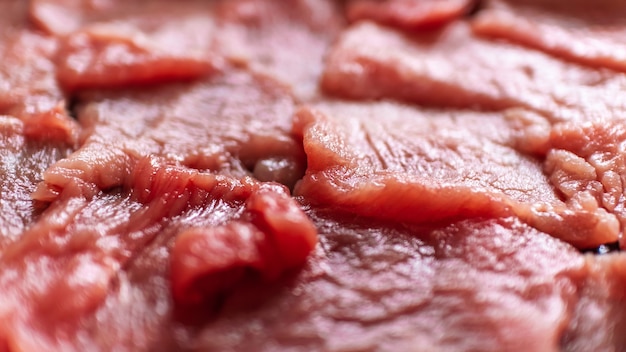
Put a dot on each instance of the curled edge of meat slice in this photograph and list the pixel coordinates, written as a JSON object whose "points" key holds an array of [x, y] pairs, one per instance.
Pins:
{"points": [[408, 14], [581, 222]]}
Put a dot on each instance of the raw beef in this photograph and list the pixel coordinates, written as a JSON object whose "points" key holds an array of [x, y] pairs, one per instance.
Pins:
{"points": [[398, 163], [453, 68], [59, 273], [23, 158], [235, 123], [408, 14], [589, 32], [487, 285], [116, 43]]}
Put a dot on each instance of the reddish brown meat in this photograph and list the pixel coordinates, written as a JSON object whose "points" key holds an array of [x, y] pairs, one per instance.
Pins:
{"points": [[398, 163], [453, 68], [60, 272], [590, 32], [380, 286], [408, 14], [234, 123], [22, 161], [586, 162], [116, 43]]}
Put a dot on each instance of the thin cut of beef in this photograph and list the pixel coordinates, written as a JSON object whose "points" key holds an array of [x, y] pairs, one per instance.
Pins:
{"points": [[589, 32], [472, 285], [586, 161], [117, 43], [235, 123], [224, 230], [28, 86], [398, 163], [285, 39], [453, 68], [23, 158], [408, 14]]}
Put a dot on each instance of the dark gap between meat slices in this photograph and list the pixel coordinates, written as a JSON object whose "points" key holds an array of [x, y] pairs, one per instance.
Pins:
{"points": [[120, 43], [62, 269], [396, 162], [229, 123], [488, 285], [453, 68], [589, 32], [408, 14]]}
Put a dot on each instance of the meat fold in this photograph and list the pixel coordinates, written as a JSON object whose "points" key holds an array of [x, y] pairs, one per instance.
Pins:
{"points": [[589, 32], [408, 14], [586, 162], [23, 158], [60, 272], [453, 68], [482, 285], [399, 163], [235, 123], [117, 43]]}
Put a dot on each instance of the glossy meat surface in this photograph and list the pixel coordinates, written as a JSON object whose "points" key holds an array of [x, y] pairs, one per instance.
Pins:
{"points": [[589, 32]]}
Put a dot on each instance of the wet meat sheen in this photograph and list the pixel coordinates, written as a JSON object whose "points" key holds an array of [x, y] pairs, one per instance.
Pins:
{"points": [[453, 68], [236, 123], [390, 161], [587, 32], [408, 14], [63, 266], [449, 288]]}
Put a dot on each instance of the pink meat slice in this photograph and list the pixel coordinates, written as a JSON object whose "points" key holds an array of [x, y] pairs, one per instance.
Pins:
{"points": [[119, 43], [285, 39], [399, 163], [23, 159], [586, 161], [472, 285], [116, 43], [453, 68], [236, 123], [28, 86], [589, 32], [61, 271], [408, 14]]}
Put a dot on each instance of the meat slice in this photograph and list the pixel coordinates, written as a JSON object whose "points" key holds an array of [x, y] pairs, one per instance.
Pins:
{"points": [[398, 163], [235, 123], [586, 162], [28, 88], [591, 33], [23, 159], [59, 274], [453, 68], [408, 14], [487, 285], [116, 43], [286, 39]]}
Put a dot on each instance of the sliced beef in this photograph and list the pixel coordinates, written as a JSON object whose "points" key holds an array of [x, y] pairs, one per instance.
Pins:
{"points": [[453, 68], [398, 163], [234, 123], [408, 14], [285, 39], [586, 162], [60, 273], [473, 285], [589, 32], [28, 87], [23, 159], [117, 43]]}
